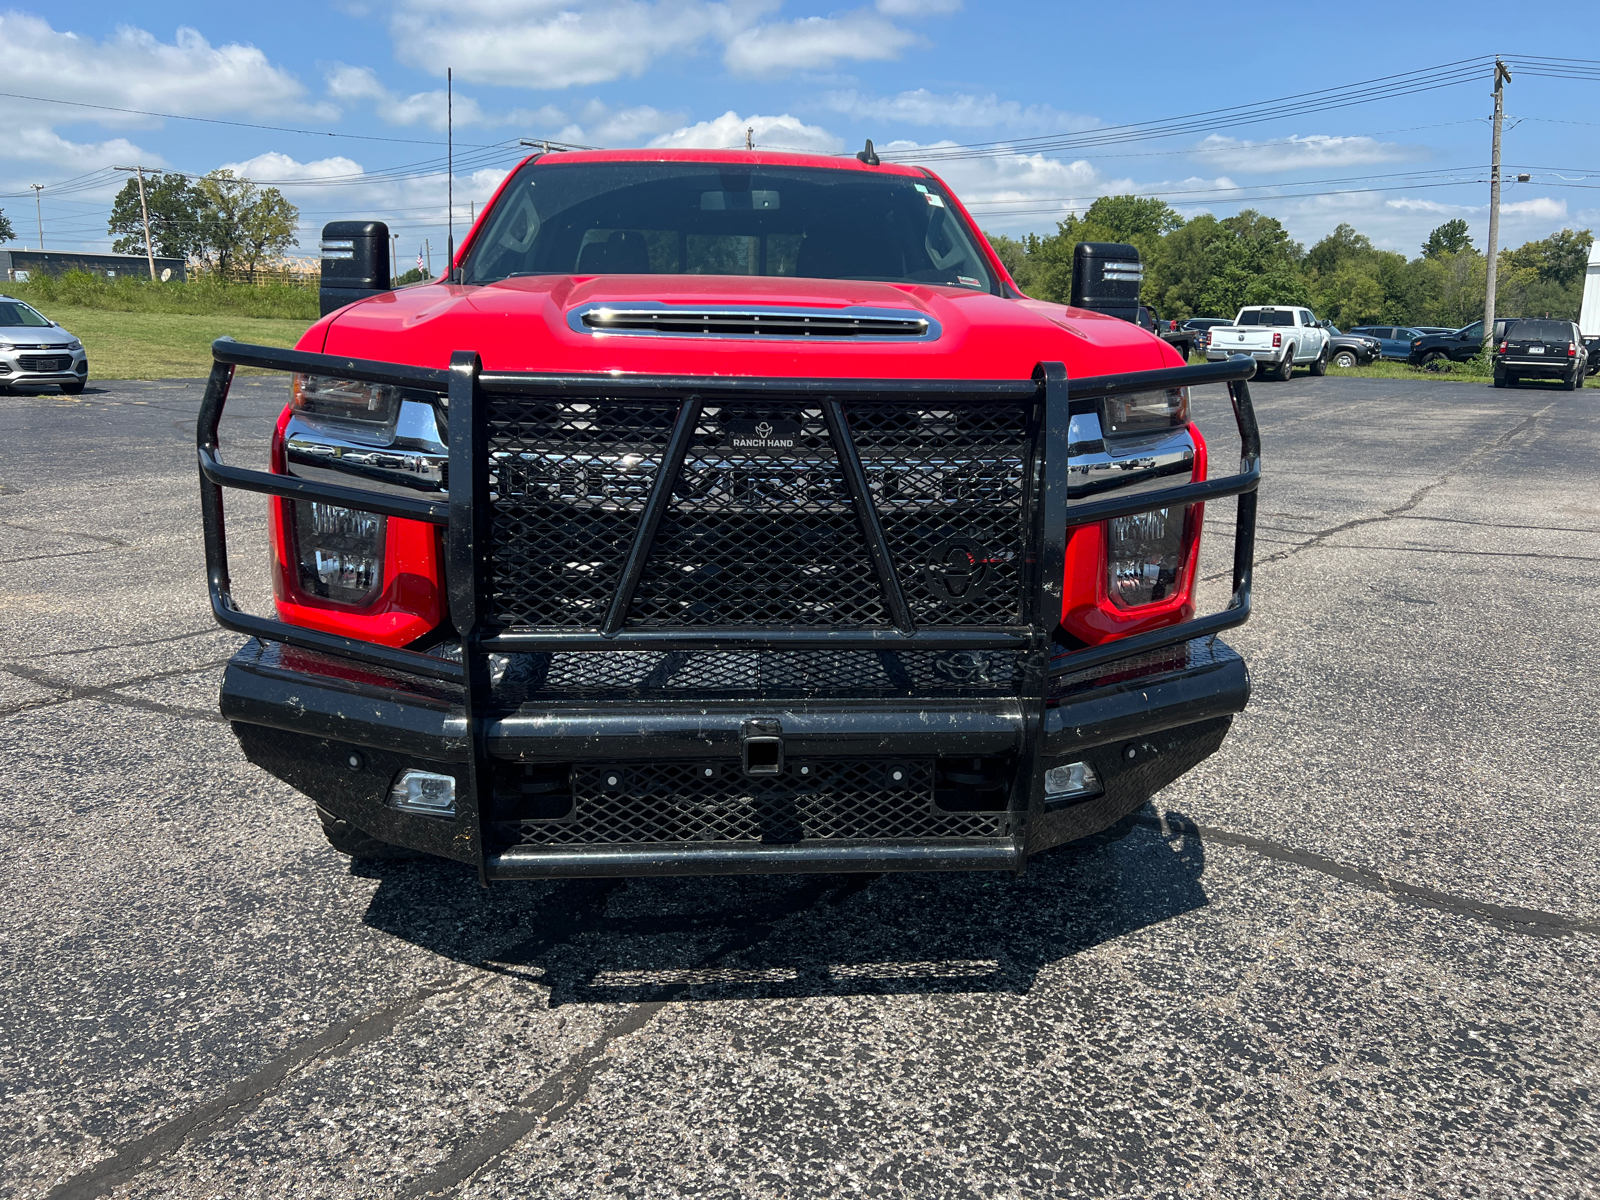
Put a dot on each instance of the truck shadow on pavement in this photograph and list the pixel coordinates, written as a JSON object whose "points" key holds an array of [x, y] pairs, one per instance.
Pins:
{"points": [[760, 937]]}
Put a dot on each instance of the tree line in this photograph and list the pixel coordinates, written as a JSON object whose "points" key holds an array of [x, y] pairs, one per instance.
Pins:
{"points": [[1212, 266], [224, 223]]}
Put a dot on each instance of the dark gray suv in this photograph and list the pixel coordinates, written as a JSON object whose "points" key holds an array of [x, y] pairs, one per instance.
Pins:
{"points": [[1540, 348], [34, 350]]}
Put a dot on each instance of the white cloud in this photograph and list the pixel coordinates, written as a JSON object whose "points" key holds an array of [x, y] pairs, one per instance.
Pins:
{"points": [[1541, 207], [815, 44], [599, 124], [1314, 150], [339, 188], [133, 69], [771, 133], [556, 44], [917, 8], [430, 109], [922, 107]]}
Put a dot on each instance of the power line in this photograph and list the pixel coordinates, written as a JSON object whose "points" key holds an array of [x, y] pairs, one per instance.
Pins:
{"points": [[365, 137]]}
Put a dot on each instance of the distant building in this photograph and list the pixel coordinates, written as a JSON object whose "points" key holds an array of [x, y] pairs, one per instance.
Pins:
{"points": [[18, 266], [1589, 317]]}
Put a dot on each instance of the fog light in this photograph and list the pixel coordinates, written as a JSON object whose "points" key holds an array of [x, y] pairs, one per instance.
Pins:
{"points": [[1144, 554], [1073, 779], [424, 792], [340, 551]]}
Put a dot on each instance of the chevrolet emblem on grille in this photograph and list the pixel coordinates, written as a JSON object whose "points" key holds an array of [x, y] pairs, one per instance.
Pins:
{"points": [[957, 570], [764, 434]]}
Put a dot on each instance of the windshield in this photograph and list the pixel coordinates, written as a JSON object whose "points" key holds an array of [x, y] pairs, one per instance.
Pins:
{"points": [[1540, 331], [1257, 317], [15, 312], [724, 219]]}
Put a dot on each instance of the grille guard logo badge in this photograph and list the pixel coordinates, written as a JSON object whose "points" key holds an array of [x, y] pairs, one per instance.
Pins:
{"points": [[764, 436], [958, 571]]}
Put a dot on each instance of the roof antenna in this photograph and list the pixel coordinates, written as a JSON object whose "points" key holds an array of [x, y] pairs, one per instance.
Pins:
{"points": [[868, 155], [450, 167]]}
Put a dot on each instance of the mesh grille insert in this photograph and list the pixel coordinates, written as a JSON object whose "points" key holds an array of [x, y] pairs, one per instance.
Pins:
{"points": [[568, 483], [754, 537], [760, 529], [681, 803], [829, 674], [946, 481]]}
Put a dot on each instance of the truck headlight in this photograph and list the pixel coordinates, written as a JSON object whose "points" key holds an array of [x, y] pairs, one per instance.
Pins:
{"points": [[1145, 555], [1143, 411], [370, 408], [339, 551]]}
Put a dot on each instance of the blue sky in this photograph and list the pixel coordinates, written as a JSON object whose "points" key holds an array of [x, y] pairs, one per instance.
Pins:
{"points": [[917, 76]]}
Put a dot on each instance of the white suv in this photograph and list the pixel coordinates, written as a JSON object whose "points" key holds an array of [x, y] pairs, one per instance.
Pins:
{"points": [[35, 350]]}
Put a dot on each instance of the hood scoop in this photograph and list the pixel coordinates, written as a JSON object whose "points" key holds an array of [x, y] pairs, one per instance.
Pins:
{"points": [[651, 318]]}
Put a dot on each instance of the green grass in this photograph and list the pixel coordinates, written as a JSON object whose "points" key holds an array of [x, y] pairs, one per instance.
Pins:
{"points": [[130, 294], [147, 345], [1467, 372]]}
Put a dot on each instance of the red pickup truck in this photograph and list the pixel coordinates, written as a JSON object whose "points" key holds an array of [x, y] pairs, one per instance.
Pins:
{"points": [[726, 512]]}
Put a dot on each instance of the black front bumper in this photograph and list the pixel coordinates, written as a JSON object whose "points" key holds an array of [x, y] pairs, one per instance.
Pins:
{"points": [[343, 734]]}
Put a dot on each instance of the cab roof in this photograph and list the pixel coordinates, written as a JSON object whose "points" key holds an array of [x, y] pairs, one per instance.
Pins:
{"points": [[744, 158]]}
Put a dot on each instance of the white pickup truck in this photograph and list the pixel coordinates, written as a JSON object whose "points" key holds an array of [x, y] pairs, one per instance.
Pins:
{"points": [[1280, 339]]}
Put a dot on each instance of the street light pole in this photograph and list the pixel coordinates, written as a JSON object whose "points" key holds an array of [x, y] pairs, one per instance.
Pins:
{"points": [[38, 212], [1501, 76], [144, 211]]}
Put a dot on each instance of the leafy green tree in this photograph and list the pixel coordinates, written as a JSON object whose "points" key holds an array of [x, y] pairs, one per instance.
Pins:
{"points": [[242, 224], [1351, 295], [1012, 253], [6, 232], [1450, 238], [1338, 248], [1454, 285], [1132, 219], [1561, 258], [177, 210]]}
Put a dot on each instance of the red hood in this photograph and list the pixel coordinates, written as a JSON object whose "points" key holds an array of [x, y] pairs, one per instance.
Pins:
{"points": [[521, 325]]}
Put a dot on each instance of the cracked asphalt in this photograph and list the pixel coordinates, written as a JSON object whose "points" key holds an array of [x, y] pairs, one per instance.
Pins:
{"points": [[1355, 953]]}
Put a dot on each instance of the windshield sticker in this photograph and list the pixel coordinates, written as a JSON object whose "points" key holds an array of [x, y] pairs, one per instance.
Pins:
{"points": [[920, 188], [969, 281], [936, 201]]}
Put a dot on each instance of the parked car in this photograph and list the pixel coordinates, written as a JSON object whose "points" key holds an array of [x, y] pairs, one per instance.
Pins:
{"points": [[1540, 348], [1180, 340], [1202, 327], [1593, 344], [1395, 339], [1280, 338], [1433, 350], [34, 350], [1348, 349]]}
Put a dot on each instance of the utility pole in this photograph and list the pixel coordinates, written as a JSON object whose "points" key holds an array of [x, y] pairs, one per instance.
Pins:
{"points": [[427, 249], [394, 257], [38, 212], [144, 211], [1501, 77], [750, 137]]}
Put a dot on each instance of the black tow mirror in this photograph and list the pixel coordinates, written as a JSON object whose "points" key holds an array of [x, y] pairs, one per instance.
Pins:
{"points": [[1106, 277], [355, 262]]}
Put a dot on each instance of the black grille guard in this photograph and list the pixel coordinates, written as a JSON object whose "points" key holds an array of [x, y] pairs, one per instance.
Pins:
{"points": [[465, 515]]}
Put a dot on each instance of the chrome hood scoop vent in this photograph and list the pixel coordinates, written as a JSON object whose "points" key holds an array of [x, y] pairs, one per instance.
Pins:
{"points": [[856, 323]]}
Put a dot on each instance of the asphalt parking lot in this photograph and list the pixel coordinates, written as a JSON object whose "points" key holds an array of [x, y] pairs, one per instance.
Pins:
{"points": [[1356, 953]]}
